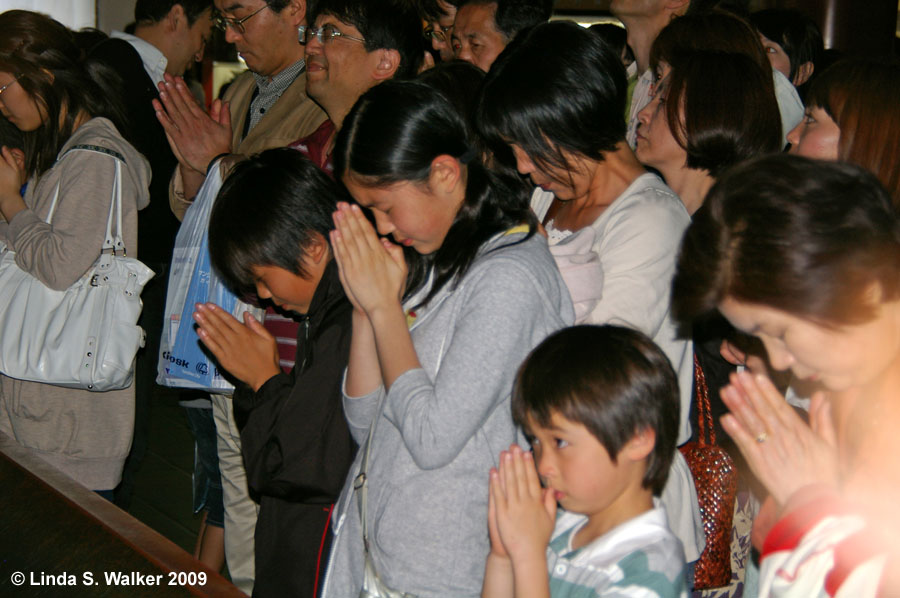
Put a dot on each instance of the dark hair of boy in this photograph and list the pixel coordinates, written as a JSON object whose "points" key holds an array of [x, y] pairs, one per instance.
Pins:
{"points": [[390, 24], [267, 212], [612, 380], [153, 11]]}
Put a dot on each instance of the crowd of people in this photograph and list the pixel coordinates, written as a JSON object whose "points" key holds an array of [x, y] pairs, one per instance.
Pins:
{"points": [[498, 254]]}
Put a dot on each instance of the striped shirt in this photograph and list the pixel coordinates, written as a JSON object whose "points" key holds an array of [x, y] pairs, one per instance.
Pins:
{"points": [[284, 329], [268, 91], [640, 557]]}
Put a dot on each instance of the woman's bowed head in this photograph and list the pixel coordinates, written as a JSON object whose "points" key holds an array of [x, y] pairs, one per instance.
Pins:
{"points": [[445, 308], [805, 255], [424, 189], [799, 253]]}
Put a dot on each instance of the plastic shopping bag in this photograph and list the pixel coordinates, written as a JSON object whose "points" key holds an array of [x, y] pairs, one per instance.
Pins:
{"points": [[183, 361]]}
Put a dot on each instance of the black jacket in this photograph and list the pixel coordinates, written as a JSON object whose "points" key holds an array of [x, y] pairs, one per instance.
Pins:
{"points": [[297, 448], [157, 225]]}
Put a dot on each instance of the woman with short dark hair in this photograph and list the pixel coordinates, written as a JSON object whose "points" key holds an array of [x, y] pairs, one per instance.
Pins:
{"points": [[711, 111], [722, 31], [552, 105]]}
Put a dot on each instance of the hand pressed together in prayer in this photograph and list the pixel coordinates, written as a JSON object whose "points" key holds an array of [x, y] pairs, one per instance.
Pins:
{"points": [[12, 177], [521, 514], [784, 452], [372, 270], [196, 137], [246, 350]]}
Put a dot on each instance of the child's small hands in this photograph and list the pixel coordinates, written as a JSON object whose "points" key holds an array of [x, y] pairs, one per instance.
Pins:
{"points": [[247, 351], [497, 548], [525, 513], [372, 270]]}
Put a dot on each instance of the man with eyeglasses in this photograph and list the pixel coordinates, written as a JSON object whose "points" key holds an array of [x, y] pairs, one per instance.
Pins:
{"points": [[483, 28], [169, 36], [264, 108], [267, 106], [357, 44], [438, 16]]}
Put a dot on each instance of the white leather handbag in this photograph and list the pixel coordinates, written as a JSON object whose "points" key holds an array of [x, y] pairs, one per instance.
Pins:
{"points": [[87, 335]]}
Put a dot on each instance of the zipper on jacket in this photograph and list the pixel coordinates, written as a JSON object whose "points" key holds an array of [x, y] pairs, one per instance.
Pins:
{"points": [[305, 343]]}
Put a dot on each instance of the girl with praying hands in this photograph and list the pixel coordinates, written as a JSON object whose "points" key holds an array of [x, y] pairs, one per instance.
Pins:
{"points": [[436, 342]]}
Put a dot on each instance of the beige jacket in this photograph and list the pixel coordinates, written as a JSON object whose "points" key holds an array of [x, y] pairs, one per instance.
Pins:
{"points": [[292, 117]]}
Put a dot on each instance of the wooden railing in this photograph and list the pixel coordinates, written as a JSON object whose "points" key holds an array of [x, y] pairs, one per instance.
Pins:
{"points": [[58, 539]]}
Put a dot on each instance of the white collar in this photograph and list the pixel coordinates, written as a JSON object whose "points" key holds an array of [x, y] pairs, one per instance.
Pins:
{"points": [[155, 62]]}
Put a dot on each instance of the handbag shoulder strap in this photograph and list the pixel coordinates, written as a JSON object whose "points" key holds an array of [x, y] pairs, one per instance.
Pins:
{"points": [[113, 243], [707, 432]]}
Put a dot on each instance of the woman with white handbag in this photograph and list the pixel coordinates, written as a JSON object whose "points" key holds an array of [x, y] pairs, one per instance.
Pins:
{"points": [[85, 184]]}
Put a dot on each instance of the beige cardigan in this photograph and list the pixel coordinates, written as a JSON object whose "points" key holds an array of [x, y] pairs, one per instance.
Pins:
{"points": [[292, 117], [84, 434]]}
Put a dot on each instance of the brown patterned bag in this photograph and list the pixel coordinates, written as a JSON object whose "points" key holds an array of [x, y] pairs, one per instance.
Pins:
{"points": [[715, 478]]}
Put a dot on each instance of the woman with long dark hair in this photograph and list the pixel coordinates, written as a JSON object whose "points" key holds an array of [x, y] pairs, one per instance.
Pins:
{"points": [[596, 201], [805, 255], [71, 149], [434, 352]]}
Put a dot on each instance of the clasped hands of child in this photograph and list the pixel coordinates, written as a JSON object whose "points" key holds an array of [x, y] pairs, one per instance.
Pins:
{"points": [[521, 517], [372, 269], [373, 274]]}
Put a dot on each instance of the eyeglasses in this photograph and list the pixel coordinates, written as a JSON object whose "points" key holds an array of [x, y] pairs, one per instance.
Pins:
{"points": [[323, 34], [3, 88], [223, 23], [438, 34]]}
